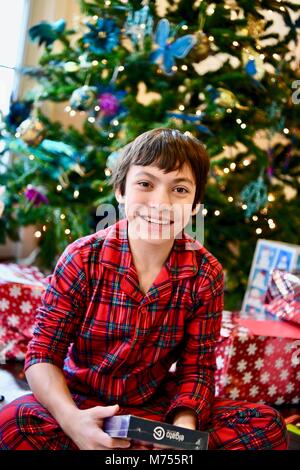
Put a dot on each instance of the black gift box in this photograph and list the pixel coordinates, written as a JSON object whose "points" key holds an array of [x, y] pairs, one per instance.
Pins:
{"points": [[155, 432]]}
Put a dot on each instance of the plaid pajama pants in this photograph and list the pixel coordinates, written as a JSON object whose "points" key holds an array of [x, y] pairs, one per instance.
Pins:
{"points": [[26, 425]]}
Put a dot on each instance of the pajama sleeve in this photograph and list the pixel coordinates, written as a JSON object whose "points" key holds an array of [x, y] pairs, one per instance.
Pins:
{"points": [[60, 313], [196, 366]]}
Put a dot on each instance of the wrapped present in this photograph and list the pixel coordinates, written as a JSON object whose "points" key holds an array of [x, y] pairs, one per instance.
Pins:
{"points": [[269, 255], [283, 296], [258, 360], [20, 292]]}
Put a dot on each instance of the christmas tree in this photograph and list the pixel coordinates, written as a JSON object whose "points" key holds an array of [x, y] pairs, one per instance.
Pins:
{"points": [[219, 71]]}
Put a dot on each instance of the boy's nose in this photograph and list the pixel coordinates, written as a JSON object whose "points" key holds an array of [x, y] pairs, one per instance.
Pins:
{"points": [[160, 198]]}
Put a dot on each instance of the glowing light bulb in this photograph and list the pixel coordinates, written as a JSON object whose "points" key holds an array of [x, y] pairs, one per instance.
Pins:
{"points": [[271, 197]]}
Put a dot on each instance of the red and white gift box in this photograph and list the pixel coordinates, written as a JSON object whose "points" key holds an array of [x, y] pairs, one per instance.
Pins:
{"points": [[258, 360], [283, 296], [20, 293]]}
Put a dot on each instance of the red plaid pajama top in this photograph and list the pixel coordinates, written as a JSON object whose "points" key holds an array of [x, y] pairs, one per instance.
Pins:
{"points": [[117, 344]]}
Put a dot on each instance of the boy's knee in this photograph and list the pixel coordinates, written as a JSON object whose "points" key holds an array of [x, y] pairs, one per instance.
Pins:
{"points": [[8, 427], [276, 426], [274, 416], [7, 414], [11, 413]]}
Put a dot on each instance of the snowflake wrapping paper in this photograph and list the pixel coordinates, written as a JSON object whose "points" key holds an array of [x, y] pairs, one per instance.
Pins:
{"points": [[258, 360], [20, 292]]}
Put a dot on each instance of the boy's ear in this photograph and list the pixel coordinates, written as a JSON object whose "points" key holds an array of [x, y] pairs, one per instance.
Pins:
{"points": [[196, 210], [119, 196]]}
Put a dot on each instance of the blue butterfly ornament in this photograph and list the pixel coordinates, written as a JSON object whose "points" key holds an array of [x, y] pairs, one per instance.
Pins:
{"points": [[167, 52]]}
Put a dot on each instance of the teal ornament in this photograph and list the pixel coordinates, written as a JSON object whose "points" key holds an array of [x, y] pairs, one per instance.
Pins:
{"points": [[83, 98], [255, 196], [138, 25], [47, 33]]}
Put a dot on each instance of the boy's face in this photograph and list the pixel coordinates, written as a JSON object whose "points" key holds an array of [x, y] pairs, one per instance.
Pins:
{"points": [[158, 205]]}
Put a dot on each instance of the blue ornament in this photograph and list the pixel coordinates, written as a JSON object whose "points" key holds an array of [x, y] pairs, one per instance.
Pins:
{"points": [[83, 98], [113, 160], [167, 52], [103, 36], [138, 25], [18, 112], [255, 196], [193, 119], [250, 67]]}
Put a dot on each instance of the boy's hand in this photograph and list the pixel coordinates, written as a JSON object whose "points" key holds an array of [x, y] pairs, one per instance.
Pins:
{"points": [[84, 427], [186, 418]]}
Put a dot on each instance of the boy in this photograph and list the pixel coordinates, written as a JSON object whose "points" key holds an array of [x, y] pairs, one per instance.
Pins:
{"points": [[122, 306]]}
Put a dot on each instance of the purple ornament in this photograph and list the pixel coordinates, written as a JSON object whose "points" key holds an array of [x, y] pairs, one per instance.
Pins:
{"points": [[109, 104], [35, 196]]}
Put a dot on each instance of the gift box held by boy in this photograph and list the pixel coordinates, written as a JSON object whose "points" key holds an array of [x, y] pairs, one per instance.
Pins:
{"points": [[122, 306]]}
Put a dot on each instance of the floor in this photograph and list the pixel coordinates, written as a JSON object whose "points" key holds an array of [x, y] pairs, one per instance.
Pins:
{"points": [[13, 384]]}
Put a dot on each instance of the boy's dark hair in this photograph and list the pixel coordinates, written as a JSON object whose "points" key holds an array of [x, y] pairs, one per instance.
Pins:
{"points": [[168, 149]]}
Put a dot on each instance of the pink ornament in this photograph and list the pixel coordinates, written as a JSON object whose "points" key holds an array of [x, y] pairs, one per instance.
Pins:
{"points": [[109, 104]]}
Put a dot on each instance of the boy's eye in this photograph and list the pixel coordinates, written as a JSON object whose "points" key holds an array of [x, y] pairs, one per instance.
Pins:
{"points": [[181, 190], [143, 184]]}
